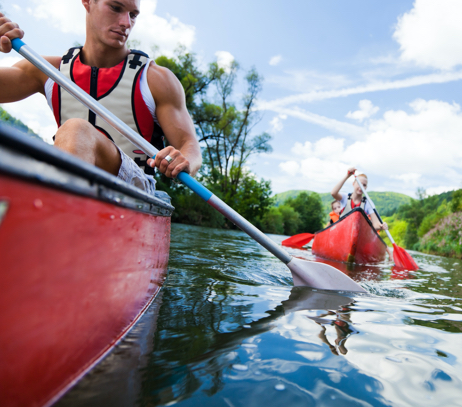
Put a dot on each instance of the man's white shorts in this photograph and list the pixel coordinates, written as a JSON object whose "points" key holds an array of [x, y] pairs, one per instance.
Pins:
{"points": [[134, 175]]}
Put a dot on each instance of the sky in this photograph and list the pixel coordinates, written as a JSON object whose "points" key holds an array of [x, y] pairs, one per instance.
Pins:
{"points": [[375, 85]]}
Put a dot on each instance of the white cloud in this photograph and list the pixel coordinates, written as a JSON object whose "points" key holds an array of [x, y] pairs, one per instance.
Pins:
{"points": [[166, 34], [316, 95], [275, 60], [440, 190], [410, 177], [7, 60], [302, 80], [276, 123], [224, 59], [68, 16], [366, 110], [422, 147], [326, 122], [429, 35], [290, 167]]}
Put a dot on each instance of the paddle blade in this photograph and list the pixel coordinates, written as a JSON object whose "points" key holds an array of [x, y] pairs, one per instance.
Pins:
{"points": [[322, 276], [403, 259], [298, 241]]}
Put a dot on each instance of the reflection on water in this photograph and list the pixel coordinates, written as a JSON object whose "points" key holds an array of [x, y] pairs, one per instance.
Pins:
{"points": [[232, 331]]}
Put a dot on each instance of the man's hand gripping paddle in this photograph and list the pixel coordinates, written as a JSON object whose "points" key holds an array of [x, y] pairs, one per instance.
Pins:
{"points": [[401, 257], [317, 275]]}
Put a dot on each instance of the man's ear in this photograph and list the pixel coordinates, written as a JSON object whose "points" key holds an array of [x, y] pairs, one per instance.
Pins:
{"points": [[86, 4]]}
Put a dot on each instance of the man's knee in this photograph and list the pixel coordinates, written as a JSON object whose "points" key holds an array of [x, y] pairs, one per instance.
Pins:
{"points": [[74, 130], [82, 139]]}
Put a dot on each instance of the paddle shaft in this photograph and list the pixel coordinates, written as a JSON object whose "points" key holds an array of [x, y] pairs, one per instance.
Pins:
{"points": [[373, 208], [148, 148]]}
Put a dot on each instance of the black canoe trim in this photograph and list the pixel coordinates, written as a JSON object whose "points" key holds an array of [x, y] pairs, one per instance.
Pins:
{"points": [[346, 216], [30, 158]]}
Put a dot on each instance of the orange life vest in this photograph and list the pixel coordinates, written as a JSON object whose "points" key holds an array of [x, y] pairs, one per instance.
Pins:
{"points": [[334, 217]]}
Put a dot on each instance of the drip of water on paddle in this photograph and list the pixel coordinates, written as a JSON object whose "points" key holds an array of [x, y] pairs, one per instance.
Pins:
{"points": [[229, 329]]}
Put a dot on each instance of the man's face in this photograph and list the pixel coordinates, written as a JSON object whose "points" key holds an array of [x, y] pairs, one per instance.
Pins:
{"points": [[336, 207], [112, 20], [357, 188]]}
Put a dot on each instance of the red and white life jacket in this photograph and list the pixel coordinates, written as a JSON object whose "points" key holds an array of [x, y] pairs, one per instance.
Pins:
{"points": [[350, 205], [119, 90]]}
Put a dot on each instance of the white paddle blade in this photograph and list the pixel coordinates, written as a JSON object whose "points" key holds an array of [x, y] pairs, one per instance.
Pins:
{"points": [[322, 276]]}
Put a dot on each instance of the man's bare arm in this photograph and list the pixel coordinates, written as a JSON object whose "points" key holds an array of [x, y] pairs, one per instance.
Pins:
{"points": [[336, 190], [176, 123], [22, 79]]}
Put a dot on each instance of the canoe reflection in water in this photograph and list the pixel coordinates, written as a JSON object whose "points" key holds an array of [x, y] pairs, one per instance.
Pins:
{"points": [[333, 311]]}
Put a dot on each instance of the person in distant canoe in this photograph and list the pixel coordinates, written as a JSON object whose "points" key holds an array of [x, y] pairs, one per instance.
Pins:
{"points": [[336, 207], [356, 199], [147, 97]]}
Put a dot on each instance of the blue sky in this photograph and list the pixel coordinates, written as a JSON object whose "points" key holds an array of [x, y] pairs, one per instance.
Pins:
{"points": [[372, 84]]}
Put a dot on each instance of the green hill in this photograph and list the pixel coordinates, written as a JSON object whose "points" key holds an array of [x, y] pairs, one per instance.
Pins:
{"points": [[384, 201]]}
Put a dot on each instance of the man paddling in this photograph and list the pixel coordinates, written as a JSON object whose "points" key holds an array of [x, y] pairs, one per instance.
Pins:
{"points": [[148, 98], [356, 199]]}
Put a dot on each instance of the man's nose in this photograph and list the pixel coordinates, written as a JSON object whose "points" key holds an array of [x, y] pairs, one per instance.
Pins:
{"points": [[125, 20]]}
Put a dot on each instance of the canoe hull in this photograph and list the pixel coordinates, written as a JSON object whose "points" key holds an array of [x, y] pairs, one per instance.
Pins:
{"points": [[82, 255], [80, 271], [352, 239]]}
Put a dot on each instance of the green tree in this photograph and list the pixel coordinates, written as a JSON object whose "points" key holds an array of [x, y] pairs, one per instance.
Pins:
{"points": [[273, 221], [252, 198], [291, 219], [311, 212], [194, 81], [225, 132], [456, 203]]}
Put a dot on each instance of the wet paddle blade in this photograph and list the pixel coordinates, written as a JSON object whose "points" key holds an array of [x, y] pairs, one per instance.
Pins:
{"points": [[298, 241], [403, 259], [320, 275]]}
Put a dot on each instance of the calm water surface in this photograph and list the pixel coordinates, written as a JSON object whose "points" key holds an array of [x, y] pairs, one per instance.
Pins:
{"points": [[228, 329]]}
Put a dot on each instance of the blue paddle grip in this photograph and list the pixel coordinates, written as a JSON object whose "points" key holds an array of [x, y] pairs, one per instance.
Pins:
{"points": [[195, 186], [17, 43]]}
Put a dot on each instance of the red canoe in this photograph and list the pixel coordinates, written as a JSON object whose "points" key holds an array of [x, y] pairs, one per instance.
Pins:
{"points": [[352, 239], [82, 255]]}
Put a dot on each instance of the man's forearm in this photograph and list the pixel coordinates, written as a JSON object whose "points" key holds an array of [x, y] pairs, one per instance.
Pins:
{"points": [[193, 154]]}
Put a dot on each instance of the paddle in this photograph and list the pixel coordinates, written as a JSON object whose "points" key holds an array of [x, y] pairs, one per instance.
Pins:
{"points": [[401, 257], [298, 241], [317, 275]]}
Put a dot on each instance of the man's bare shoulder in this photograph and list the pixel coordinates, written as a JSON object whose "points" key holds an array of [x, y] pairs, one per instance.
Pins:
{"points": [[164, 85]]}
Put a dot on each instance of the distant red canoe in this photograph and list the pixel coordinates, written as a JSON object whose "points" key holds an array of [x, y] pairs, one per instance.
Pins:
{"points": [[352, 239], [82, 255]]}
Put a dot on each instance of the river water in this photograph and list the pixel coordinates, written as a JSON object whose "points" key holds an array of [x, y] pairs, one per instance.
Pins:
{"points": [[228, 329]]}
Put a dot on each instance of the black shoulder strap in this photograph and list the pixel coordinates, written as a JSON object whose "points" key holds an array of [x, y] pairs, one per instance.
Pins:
{"points": [[66, 58], [136, 59], [135, 51]]}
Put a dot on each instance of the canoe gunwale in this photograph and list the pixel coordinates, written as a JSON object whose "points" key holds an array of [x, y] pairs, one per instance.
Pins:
{"points": [[34, 160], [361, 211]]}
